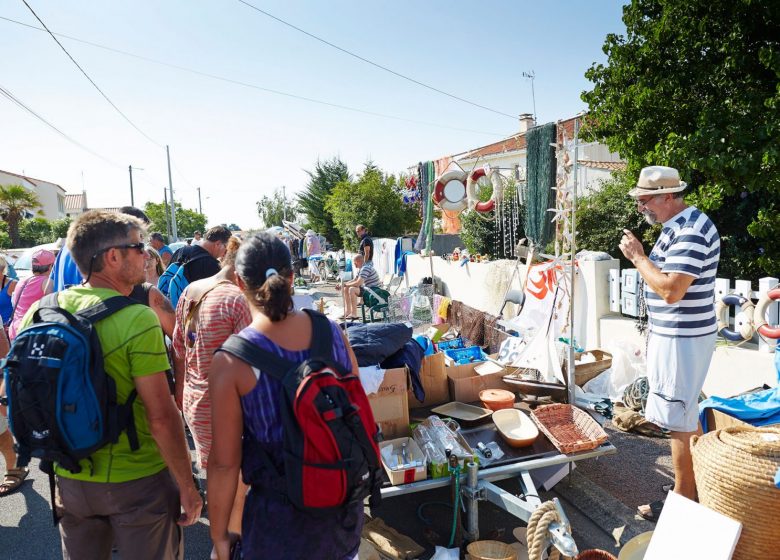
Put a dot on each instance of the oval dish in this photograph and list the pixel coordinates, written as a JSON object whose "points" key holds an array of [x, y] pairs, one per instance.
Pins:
{"points": [[515, 427]]}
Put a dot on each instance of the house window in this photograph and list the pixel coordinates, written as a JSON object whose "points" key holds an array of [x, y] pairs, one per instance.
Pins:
{"points": [[61, 204]]}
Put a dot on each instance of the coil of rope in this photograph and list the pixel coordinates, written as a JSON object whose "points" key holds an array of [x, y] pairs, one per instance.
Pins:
{"points": [[536, 533], [635, 395]]}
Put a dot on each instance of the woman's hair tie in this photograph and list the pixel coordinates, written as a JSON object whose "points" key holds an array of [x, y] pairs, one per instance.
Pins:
{"points": [[270, 272]]}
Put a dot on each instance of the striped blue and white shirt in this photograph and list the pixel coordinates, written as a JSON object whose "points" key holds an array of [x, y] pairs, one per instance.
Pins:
{"points": [[369, 275], [689, 244]]}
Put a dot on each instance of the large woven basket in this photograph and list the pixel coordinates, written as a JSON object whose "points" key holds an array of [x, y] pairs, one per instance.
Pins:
{"points": [[569, 429], [491, 550], [735, 469]]}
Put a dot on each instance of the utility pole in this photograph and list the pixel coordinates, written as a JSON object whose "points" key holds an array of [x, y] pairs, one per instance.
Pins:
{"points": [[167, 217], [174, 232], [200, 206], [130, 169], [132, 200], [531, 75]]}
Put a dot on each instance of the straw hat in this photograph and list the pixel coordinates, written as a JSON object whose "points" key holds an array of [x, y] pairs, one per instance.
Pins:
{"points": [[658, 179]]}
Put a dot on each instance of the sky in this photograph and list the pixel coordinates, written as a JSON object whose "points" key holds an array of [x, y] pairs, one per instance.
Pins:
{"points": [[237, 141]]}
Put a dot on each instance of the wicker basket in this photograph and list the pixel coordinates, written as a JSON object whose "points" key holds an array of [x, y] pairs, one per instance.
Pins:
{"points": [[568, 428], [491, 550], [735, 469], [585, 372], [594, 554]]}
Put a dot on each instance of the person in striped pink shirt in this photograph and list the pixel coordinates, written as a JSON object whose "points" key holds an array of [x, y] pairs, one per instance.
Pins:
{"points": [[209, 311]]}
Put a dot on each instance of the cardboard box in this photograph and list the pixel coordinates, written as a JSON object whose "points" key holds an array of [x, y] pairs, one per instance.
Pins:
{"points": [[465, 384], [433, 375], [390, 404], [717, 420], [392, 449]]}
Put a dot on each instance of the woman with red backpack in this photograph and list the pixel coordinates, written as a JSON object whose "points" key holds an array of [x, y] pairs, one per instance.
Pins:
{"points": [[257, 428]]}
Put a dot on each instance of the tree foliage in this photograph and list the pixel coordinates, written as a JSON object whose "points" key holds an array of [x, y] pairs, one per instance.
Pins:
{"points": [[187, 221], [35, 231], [15, 202], [605, 212], [322, 182], [275, 208], [373, 200], [693, 84], [478, 230]]}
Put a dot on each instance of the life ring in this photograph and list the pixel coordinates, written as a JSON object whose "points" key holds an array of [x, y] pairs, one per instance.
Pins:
{"points": [[745, 325], [471, 188], [759, 315], [450, 191]]}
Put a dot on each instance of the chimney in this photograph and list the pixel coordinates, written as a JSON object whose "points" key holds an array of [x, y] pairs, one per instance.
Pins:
{"points": [[526, 121]]}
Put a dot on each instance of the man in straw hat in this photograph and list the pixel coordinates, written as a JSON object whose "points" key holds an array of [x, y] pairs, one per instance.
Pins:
{"points": [[679, 275]]}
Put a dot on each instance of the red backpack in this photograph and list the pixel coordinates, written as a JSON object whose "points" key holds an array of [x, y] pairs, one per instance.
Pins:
{"points": [[331, 457]]}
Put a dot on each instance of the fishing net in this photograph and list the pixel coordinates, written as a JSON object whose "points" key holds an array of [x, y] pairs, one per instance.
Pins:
{"points": [[541, 180]]}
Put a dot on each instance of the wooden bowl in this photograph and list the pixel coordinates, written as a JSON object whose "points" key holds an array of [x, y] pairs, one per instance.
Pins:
{"points": [[497, 399], [514, 425]]}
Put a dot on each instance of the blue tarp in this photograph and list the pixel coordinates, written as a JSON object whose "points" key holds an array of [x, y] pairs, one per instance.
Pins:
{"points": [[758, 409]]}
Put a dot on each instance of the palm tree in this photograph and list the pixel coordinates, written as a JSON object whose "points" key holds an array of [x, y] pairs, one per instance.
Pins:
{"points": [[15, 201]]}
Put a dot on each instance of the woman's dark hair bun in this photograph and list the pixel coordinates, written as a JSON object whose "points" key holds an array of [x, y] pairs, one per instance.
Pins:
{"points": [[263, 263]]}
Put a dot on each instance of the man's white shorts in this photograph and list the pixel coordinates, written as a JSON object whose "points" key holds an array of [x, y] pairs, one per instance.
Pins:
{"points": [[676, 370]]}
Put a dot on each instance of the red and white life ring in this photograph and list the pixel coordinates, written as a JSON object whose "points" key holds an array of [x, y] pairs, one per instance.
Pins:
{"points": [[450, 191], [471, 188], [759, 315]]}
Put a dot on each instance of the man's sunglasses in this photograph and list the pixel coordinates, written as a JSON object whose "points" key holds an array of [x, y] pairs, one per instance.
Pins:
{"points": [[140, 247]]}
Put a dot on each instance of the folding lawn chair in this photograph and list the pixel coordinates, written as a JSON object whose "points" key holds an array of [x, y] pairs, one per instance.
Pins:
{"points": [[375, 302]]}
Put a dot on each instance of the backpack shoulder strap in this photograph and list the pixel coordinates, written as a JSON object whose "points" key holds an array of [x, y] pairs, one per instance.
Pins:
{"points": [[268, 362], [49, 310], [321, 336], [105, 308]]}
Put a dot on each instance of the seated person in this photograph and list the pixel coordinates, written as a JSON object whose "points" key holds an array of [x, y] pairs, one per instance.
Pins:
{"points": [[353, 289]]}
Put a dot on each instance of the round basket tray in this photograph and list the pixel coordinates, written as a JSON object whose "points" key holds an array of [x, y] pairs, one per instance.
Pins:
{"points": [[735, 469], [491, 550], [570, 429]]}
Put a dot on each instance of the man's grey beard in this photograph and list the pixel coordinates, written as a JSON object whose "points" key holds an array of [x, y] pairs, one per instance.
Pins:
{"points": [[650, 218]]}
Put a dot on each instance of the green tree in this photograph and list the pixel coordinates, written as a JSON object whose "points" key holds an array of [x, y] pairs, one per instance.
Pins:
{"points": [[187, 221], [5, 239], [604, 213], [478, 230], [322, 181], [15, 202], [35, 231], [373, 200], [59, 228], [693, 84], [275, 208]]}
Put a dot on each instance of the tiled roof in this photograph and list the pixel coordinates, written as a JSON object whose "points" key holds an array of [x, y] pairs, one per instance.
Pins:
{"points": [[514, 143], [608, 165], [75, 202], [32, 180]]}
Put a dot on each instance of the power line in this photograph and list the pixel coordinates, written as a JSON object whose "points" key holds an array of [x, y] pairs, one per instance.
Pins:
{"points": [[11, 97], [91, 81], [255, 86], [372, 63]]}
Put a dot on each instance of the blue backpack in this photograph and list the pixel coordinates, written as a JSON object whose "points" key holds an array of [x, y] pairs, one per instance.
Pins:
{"points": [[62, 406], [173, 281]]}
